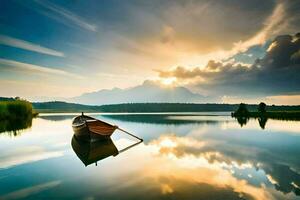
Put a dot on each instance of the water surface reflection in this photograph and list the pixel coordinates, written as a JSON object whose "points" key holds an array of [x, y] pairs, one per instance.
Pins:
{"points": [[182, 157]]}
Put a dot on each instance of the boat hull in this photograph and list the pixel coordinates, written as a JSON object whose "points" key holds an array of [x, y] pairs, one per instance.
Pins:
{"points": [[92, 130]]}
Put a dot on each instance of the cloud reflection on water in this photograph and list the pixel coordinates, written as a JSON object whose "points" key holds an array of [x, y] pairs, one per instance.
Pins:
{"points": [[179, 161], [223, 155], [26, 192], [26, 155]]}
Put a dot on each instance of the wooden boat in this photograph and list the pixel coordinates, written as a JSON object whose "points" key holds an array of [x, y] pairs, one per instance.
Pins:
{"points": [[91, 152], [89, 128]]}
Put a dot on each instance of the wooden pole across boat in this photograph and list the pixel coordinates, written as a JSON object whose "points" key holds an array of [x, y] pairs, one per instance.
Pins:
{"points": [[140, 139]]}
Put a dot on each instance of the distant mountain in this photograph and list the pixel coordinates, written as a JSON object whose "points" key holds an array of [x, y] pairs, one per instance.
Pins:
{"points": [[147, 92]]}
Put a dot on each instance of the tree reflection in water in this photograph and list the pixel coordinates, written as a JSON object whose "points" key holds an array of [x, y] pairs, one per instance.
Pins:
{"points": [[262, 121], [242, 120]]}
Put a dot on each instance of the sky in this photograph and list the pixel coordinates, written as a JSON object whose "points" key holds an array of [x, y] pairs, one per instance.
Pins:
{"points": [[234, 50]]}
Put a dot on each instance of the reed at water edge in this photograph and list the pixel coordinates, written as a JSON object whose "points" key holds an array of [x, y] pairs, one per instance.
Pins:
{"points": [[15, 115], [17, 109]]}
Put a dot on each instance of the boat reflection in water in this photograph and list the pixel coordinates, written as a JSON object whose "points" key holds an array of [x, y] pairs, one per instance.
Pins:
{"points": [[91, 152]]}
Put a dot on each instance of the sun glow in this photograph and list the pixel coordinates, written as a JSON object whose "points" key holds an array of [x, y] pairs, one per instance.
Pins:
{"points": [[168, 81]]}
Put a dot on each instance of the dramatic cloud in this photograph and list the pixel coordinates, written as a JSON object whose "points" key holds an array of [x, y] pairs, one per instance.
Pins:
{"points": [[191, 21], [276, 73], [189, 33], [14, 42], [131, 38]]}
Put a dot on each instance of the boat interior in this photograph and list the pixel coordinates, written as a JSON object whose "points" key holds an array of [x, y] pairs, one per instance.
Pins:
{"points": [[82, 119]]}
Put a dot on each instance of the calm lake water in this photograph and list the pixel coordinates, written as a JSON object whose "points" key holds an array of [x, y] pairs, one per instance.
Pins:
{"points": [[182, 157]]}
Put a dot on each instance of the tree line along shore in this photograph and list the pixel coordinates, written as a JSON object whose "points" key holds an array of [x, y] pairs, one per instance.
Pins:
{"points": [[59, 106], [15, 107]]}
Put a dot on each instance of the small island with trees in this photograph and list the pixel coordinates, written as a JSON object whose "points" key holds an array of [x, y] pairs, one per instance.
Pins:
{"points": [[262, 111], [242, 114]]}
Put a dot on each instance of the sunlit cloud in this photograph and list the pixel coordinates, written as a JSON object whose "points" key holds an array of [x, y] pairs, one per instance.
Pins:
{"points": [[65, 16], [22, 44], [35, 68], [266, 76], [274, 24]]}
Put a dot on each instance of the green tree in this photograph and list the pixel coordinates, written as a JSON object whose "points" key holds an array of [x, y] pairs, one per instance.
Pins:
{"points": [[242, 111], [262, 107]]}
